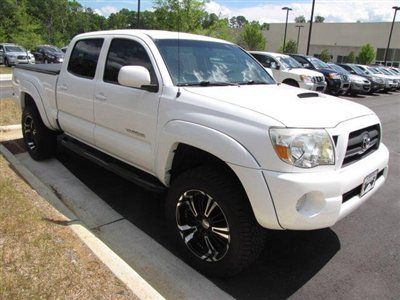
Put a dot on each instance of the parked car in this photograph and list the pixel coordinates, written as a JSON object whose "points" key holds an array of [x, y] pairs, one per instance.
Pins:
{"points": [[12, 54], [391, 73], [47, 54], [358, 84], [377, 83], [64, 49], [390, 84], [335, 82], [235, 151], [287, 70]]}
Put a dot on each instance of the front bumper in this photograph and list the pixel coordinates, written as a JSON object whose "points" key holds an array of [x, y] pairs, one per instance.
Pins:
{"points": [[321, 193], [317, 86], [360, 87]]}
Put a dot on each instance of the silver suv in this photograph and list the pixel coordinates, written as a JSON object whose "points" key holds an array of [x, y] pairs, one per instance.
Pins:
{"points": [[11, 55]]}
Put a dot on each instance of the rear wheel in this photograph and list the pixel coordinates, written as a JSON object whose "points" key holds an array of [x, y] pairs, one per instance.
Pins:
{"points": [[40, 141], [210, 217], [291, 83], [6, 63]]}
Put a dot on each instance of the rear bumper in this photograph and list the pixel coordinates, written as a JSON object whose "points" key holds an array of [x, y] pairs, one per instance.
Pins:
{"points": [[306, 201]]}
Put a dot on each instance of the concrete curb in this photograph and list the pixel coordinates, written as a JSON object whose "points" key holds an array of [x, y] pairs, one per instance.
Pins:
{"points": [[10, 127], [119, 267], [5, 77]]}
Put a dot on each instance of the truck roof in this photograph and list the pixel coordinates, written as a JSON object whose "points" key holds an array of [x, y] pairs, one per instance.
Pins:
{"points": [[273, 54], [154, 34]]}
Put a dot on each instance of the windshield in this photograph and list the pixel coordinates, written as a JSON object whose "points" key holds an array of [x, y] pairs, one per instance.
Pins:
{"points": [[358, 70], [52, 49], [289, 62], [318, 64], [385, 71], [14, 49], [210, 63], [374, 71], [338, 69]]}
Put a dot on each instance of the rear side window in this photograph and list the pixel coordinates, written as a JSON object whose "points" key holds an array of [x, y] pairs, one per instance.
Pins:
{"points": [[84, 57], [125, 52]]}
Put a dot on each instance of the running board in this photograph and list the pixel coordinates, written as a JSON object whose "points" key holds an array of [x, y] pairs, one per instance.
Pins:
{"points": [[122, 169]]}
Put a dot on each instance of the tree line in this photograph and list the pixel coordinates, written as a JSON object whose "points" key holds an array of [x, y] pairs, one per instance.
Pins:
{"points": [[34, 22]]}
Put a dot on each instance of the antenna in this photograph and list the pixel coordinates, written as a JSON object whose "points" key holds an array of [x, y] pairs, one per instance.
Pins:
{"points": [[179, 50]]}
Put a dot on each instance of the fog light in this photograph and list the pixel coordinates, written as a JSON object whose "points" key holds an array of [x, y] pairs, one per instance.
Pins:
{"points": [[311, 204]]}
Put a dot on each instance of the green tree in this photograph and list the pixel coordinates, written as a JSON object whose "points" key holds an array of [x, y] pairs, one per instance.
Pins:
{"points": [[351, 58], [290, 47], [319, 19], [180, 15], [252, 37], [367, 54], [219, 29], [238, 22], [300, 19], [325, 55]]}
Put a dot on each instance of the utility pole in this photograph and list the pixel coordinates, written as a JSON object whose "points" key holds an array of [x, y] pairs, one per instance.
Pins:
{"points": [[298, 36], [138, 15], [310, 31], [396, 8], [287, 17]]}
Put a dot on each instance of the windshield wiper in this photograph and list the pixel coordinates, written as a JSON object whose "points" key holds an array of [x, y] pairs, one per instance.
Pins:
{"points": [[206, 83], [251, 82]]}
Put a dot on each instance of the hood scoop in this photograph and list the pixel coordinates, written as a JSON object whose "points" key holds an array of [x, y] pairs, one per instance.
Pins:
{"points": [[308, 95]]}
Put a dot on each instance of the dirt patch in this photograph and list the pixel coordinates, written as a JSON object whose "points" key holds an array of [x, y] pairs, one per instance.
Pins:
{"points": [[5, 70], [40, 256], [10, 113]]}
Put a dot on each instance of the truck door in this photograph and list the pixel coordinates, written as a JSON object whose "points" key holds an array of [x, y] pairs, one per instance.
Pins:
{"points": [[126, 117], [75, 89]]}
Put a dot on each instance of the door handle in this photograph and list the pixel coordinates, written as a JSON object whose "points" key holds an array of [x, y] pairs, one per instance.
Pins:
{"points": [[63, 87], [100, 96]]}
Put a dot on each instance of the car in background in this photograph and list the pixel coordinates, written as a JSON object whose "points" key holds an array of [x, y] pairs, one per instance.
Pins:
{"points": [[333, 79], [12, 54], [377, 83], [47, 54], [64, 49], [391, 83], [358, 84], [389, 72], [287, 70]]}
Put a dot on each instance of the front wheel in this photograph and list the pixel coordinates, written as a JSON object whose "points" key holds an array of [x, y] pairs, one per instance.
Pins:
{"points": [[211, 219], [40, 141]]}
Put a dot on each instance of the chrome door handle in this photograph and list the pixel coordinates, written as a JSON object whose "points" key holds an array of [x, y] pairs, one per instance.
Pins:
{"points": [[100, 96]]}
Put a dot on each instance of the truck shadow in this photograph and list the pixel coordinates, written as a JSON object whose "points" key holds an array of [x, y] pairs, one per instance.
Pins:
{"points": [[290, 258]]}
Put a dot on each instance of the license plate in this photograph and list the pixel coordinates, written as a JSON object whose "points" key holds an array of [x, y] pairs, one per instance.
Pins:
{"points": [[369, 183]]}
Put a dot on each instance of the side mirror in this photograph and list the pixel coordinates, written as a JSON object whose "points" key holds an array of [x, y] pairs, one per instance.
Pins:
{"points": [[278, 67], [134, 76]]}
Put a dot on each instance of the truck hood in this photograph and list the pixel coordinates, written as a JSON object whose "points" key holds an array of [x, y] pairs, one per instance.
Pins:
{"points": [[282, 103], [302, 71]]}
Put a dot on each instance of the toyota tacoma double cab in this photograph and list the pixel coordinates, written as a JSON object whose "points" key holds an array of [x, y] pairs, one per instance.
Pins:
{"points": [[202, 121]]}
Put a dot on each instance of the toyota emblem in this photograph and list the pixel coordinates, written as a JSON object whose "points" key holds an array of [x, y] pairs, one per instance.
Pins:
{"points": [[366, 142]]}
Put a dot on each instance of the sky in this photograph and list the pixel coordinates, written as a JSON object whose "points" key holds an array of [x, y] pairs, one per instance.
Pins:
{"points": [[270, 11]]}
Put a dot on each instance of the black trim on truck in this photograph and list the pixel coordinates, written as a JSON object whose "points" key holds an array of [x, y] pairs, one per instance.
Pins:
{"points": [[122, 169], [51, 69]]}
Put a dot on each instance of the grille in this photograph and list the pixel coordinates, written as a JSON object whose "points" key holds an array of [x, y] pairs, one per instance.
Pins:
{"points": [[357, 190], [362, 143], [21, 57]]}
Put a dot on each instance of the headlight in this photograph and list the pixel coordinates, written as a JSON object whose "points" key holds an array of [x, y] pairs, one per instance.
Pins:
{"points": [[306, 78], [334, 76], [304, 148]]}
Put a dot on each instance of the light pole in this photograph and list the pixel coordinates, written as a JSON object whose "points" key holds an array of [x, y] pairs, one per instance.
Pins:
{"points": [[309, 32], [298, 36], [287, 17], [138, 14], [396, 8]]}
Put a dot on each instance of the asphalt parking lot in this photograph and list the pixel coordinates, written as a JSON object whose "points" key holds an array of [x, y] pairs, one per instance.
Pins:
{"points": [[357, 258]]}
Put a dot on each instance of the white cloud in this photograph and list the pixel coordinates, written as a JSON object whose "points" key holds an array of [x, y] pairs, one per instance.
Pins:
{"points": [[332, 11], [106, 10]]}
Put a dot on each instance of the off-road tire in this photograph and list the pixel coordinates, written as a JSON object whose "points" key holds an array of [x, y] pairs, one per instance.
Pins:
{"points": [[247, 237], [44, 140]]}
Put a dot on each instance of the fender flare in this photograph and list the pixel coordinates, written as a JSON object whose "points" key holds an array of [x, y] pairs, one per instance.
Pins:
{"points": [[27, 88], [176, 132]]}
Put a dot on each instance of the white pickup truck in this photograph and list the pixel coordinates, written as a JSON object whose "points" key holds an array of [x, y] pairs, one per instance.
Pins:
{"points": [[201, 119]]}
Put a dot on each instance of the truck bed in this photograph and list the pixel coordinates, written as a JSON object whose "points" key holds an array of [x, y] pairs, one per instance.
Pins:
{"points": [[51, 69]]}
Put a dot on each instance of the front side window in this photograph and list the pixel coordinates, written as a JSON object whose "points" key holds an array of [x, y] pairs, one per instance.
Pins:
{"points": [[125, 52], [192, 62], [84, 57], [289, 62]]}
